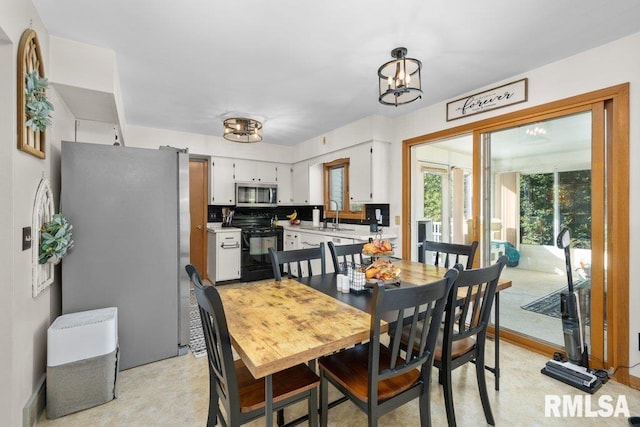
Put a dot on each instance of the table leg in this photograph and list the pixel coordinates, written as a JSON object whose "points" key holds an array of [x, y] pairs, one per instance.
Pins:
{"points": [[268, 395]]}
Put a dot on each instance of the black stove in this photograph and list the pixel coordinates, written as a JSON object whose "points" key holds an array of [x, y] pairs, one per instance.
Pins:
{"points": [[258, 235]]}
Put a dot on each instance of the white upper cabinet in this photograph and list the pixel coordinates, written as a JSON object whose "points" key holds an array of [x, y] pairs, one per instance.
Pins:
{"points": [[307, 183], [254, 171], [223, 189], [300, 183], [284, 180], [368, 165]]}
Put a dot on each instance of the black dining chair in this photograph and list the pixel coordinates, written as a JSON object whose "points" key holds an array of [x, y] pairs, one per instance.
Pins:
{"points": [[374, 376], [231, 383], [445, 251], [295, 261], [465, 331], [346, 254]]}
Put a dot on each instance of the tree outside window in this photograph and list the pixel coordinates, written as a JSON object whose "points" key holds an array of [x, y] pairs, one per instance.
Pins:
{"points": [[539, 212], [433, 196]]}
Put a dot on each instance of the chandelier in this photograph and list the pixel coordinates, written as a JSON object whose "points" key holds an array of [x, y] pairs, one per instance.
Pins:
{"points": [[399, 79], [240, 129]]}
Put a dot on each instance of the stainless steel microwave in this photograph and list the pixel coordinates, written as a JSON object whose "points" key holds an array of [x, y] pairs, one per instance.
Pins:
{"points": [[254, 194]]}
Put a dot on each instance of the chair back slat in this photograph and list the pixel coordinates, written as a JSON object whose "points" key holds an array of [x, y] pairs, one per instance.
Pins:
{"points": [[423, 307], [297, 257], [478, 287], [445, 251], [345, 253], [217, 340]]}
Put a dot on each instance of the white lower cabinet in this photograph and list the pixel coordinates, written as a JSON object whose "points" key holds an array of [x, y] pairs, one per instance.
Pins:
{"points": [[291, 242], [224, 253], [311, 240]]}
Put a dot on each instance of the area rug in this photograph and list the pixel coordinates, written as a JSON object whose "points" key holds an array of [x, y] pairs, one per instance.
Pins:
{"points": [[548, 305], [196, 337]]}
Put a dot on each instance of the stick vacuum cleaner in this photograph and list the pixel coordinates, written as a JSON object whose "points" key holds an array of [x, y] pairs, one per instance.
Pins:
{"points": [[575, 371]]}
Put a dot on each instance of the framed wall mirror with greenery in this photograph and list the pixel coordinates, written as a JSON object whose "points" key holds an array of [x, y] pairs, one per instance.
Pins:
{"points": [[34, 110]]}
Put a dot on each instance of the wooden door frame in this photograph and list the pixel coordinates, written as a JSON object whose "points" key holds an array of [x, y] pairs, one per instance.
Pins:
{"points": [[617, 244]]}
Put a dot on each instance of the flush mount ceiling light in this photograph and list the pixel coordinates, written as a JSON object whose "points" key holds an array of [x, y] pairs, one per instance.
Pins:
{"points": [[240, 129], [399, 79]]}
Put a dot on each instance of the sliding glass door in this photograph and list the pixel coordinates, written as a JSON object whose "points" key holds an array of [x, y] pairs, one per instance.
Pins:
{"points": [[538, 180], [512, 182]]}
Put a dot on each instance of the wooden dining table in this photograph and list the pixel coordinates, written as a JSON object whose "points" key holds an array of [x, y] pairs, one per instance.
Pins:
{"points": [[412, 274], [276, 325]]}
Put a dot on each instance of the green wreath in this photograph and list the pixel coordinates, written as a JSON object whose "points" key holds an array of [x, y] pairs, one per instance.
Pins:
{"points": [[37, 107], [55, 239]]}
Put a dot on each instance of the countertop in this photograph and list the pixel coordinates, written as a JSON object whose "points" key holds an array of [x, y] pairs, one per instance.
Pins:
{"points": [[216, 227], [356, 232]]}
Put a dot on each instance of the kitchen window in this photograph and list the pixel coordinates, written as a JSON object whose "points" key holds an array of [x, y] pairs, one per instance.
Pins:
{"points": [[336, 191]]}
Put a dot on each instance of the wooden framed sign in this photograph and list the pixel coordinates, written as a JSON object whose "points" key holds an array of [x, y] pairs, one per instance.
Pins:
{"points": [[29, 61], [498, 97]]}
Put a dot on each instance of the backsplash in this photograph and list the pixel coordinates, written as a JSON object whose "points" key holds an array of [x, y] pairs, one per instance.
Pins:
{"points": [[305, 213], [370, 211]]}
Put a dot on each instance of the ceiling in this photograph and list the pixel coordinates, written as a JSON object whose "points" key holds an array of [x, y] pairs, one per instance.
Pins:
{"points": [[305, 68]]}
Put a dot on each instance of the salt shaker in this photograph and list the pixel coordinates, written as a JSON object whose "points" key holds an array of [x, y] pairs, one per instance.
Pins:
{"points": [[342, 282], [345, 283]]}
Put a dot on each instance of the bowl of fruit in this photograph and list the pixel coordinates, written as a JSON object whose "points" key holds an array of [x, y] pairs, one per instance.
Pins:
{"points": [[377, 247], [382, 271]]}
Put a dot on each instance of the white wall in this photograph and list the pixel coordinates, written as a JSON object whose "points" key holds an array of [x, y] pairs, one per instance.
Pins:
{"points": [[82, 65], [7, 130], [24, 320], [612, 64], [143, 137], [368, 129]]}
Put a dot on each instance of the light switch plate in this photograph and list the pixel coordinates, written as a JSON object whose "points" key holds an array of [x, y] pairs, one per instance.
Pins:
{"points": [[397, 219], [26, 238]]}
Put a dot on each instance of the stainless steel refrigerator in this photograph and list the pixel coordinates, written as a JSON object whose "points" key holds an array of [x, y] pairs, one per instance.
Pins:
{"points": [[129, 208]]}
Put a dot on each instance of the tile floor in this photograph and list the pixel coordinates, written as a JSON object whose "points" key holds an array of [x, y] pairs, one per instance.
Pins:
{"points": [[528, 286], [174, 392]]}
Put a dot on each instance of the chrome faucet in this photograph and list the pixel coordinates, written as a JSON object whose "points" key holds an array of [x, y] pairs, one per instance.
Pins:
{"points": [[336, 221]]}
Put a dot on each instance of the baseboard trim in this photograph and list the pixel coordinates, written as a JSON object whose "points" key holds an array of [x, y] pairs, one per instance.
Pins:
{"points": [[35, 405], [634, 382]]}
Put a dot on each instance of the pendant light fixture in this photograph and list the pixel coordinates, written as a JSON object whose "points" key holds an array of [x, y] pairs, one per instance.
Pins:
{"points": [[240, 129], [399, 79]]}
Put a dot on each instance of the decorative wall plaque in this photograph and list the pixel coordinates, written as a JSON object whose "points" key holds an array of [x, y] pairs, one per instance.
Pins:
{"points": [[31, 137], [42, 274], [498, 97]]}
